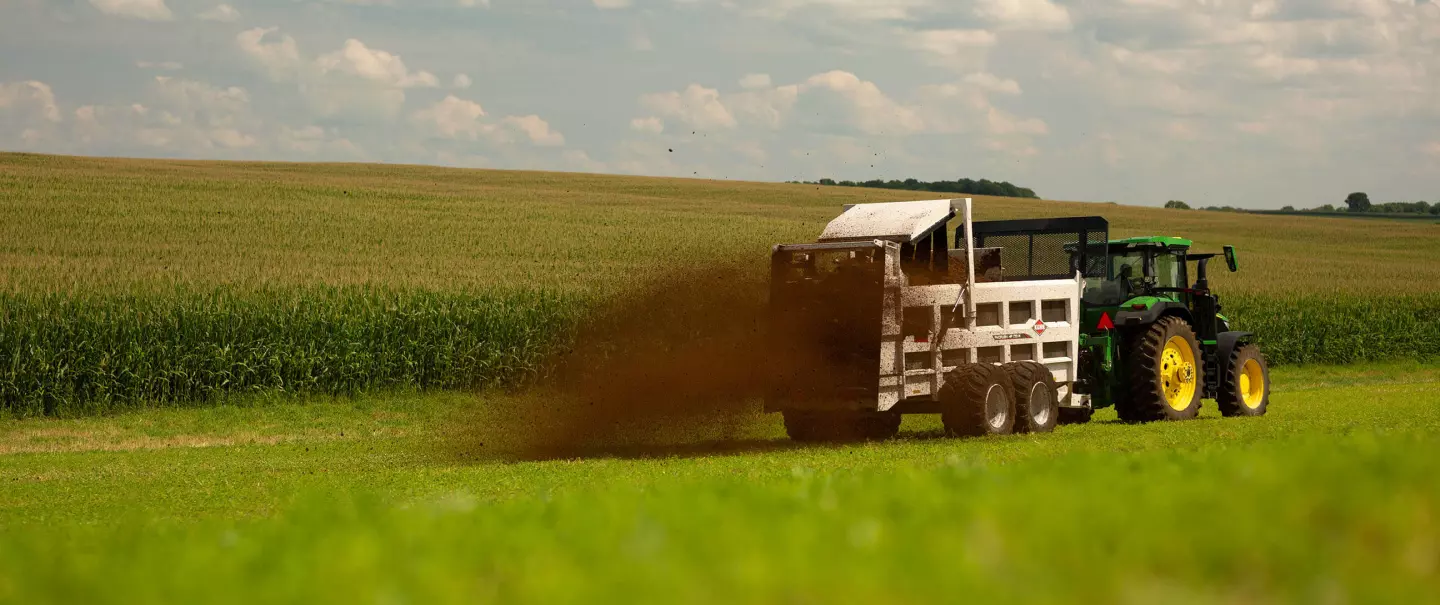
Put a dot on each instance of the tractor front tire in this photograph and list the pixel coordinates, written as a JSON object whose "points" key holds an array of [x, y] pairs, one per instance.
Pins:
{"points": [[840, 426], [1037, 397], [977, 399], [1166, 373], [1245, 390]]}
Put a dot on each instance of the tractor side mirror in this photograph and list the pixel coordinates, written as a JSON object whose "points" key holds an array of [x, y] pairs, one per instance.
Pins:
{"points": [[1230, 258]]}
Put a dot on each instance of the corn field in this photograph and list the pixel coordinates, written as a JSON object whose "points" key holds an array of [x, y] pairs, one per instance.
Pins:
{"points": [[71, 355], [130, 283], [68, 355]]}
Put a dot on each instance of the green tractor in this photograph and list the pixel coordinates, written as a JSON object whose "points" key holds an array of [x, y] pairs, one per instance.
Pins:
{"points": [[1155, 344]]}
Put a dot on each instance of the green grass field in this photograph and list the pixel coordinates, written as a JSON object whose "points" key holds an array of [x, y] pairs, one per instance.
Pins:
{"points": [[1334, 497], [128, 283]]}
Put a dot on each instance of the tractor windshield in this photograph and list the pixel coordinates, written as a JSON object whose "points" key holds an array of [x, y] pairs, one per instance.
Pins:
{"points": [[1125, 281]]}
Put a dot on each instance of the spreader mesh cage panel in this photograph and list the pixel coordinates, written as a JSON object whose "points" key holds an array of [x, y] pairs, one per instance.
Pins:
{"points": [[1047, 248]]}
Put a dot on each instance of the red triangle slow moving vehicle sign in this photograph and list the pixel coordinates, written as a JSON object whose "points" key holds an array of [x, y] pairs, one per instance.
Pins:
{"points": [[1105, 323]]}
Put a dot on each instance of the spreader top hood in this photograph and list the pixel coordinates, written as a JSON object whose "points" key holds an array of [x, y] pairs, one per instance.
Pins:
{"points": [[903, 222]]}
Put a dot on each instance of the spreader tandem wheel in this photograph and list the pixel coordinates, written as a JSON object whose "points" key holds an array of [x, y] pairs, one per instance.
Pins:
{"points": [[1165, 374], [1037, 403], [978, 399]]}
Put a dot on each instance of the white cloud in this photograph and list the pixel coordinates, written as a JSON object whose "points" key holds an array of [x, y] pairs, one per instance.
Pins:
{"points": [[280, 58], [353, 81], [462, 119], [612, 4], [161, 65], [461, 81], [29, 114], [854, 10], [989, 82], [755, 81], [454, 118], [149, 10], [180, 115], [652, 125], [1039, 15], [640, 42], [536, 129], [696, 106], [221, 12], [356, 59], [964, 49], [870, 110]]}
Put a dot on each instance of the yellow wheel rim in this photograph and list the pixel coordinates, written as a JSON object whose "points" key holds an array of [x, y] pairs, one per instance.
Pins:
{"points": [[1177, 373], [1252, 384]]}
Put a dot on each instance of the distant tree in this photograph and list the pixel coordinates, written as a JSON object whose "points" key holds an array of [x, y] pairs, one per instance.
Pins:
{"points": [[1177, 204], [1435, 208], [1287, 209], [1358, 202], [980, 187], [1325, 208]]}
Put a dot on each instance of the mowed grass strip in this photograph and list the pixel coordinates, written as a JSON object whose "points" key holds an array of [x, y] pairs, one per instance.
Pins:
{"points": [[1332, 497]]}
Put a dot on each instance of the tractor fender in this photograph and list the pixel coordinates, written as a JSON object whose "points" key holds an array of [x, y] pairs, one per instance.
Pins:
{"points": [[1225, 344], [1131, 318]]}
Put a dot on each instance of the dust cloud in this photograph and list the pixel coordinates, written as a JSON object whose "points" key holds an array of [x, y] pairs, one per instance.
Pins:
{"points": [[675, 363]]}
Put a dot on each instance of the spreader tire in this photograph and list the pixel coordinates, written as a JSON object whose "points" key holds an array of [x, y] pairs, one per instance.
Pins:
{"points": [[840, 426], [1245, 388], [1166, 373], [977, 399], [1037, 397]]}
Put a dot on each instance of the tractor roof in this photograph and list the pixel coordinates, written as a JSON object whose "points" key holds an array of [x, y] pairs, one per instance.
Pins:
{"points": [[1152, 239], [903, 222]]}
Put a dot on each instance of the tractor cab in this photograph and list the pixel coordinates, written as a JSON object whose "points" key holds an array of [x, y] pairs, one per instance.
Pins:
{"points": [[1141, 267]]}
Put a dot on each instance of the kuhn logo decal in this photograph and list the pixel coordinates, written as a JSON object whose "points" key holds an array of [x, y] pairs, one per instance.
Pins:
{"points": [[1039, 327]]}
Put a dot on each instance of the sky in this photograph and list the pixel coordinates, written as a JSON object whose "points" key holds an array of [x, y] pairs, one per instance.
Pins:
{"points": [[1252, 103]]}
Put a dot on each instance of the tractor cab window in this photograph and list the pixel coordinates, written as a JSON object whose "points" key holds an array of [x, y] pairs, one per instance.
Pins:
{"points": [[1126, 280], [1169, 270], [1130, 270]]}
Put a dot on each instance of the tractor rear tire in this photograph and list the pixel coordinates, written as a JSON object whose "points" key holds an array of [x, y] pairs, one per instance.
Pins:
{"points": [[1037, 397], [840, 426], [1245, 389], [977, 399], [1166, 372]]}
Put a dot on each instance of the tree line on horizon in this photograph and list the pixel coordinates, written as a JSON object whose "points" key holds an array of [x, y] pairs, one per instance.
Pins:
{"points": [[967, 186], [1355, 203]]}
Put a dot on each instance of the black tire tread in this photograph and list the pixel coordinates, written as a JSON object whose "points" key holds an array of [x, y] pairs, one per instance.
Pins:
{"points": [[966, 385], [1227, 397], [1146, 398], [1023, 375]]}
